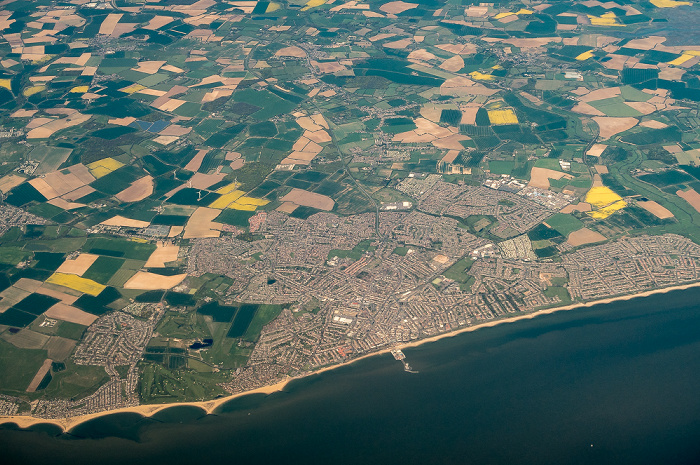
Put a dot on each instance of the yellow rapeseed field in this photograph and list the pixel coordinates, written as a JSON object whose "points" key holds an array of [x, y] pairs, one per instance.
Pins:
{"points": [[273, 6], [228, 188], [248, 203], [71, 281], [79, 89], [585, 55], [226, 199], [681, 59], [133, 88], [238, 206], [504, 14], [521, 11], [481, 76], [312, 4], [607, 19], [605, 200], [29, 91], [103, 167], [609, 210], [502, 117], [43, 59], [6, 84], [601, 196], [233, 198], [668, 3], [252, 201]]}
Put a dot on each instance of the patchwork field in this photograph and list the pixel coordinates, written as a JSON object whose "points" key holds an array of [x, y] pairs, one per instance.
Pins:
{"points": [[657, 210], [502, 117], [163, 254], [152, 281], [139, 190], [103, 167], [39, 376], [584, 236], [690, 196], [64, 312], [610, 126], [309, 199], [201, 224], [605, 200], [539, 177], [77, 265], [77, 283]]}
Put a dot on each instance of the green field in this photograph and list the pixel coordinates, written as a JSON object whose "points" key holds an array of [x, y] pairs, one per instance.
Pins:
{"points": [[564, 224], [160, 385], [235, 217], [265, 314], [103, 269], [548, 163], [615, 107], [666, 178], [70, 330], [18, 367], [49, 157], [127, 270], [77, 381], [459, 271], [119, 248], [12, 256], [354, 254], [401, 251], [270, 104], [556, 291], [501, 166], [179, 325]]}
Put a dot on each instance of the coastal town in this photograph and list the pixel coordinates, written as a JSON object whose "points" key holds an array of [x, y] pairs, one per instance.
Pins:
{"points": [[422, 276]]}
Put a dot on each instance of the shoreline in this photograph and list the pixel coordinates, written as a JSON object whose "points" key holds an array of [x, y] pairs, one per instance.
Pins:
{"points": [[209, 407]]}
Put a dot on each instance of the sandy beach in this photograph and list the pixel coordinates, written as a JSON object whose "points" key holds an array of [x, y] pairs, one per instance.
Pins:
{"points": [[25, 421]]}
